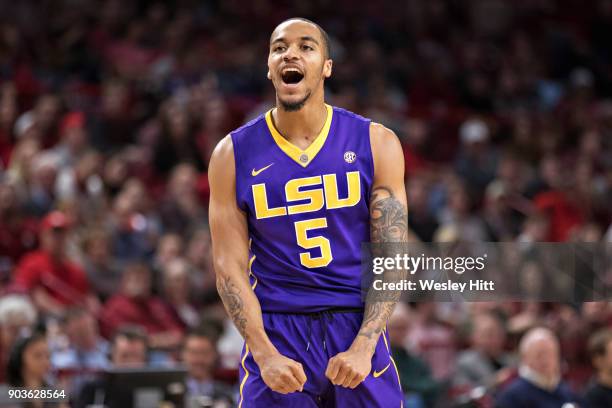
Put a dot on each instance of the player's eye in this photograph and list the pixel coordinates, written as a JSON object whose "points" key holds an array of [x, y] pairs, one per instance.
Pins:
{"points": [[278, 48], [307, 47]]}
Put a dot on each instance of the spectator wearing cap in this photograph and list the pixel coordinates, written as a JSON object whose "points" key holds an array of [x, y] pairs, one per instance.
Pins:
{"points": [[73, 139], [477, 160], [17, 317], [54, 282], [539, 383], [599, 394]]}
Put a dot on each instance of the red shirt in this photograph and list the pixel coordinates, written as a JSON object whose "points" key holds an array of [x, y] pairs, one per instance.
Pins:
{"points": [[150, 313], [564, 215], [63, 281]]}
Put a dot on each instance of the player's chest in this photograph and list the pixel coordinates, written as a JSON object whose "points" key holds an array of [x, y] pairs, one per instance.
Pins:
{"points": [[280, 194]]}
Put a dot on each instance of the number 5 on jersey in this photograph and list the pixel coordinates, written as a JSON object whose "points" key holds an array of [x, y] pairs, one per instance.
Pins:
{"points": [[301, 233]]}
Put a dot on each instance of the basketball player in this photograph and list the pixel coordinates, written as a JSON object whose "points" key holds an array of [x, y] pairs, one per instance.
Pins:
{"points": [[294, 193]]}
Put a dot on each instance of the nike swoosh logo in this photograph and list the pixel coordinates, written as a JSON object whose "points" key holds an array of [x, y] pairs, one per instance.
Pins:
{"points": [[377, 374], [256, 172]]}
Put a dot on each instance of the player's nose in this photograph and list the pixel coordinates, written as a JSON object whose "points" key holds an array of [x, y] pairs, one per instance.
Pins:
{"points": [[290, 53]]}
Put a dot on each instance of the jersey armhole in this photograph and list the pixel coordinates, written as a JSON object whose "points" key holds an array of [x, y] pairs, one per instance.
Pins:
{"points": [[237, 167], [370, 157]]}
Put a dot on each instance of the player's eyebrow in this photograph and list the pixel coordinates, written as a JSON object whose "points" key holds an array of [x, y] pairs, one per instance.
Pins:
{"points": [[303, 38], [309, 38]]}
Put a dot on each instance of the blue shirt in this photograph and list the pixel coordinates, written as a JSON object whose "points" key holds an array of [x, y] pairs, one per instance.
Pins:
{"points": [[521, 393]]}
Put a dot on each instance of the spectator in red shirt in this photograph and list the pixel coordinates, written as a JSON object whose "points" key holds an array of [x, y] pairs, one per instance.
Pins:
{"points": [[53, 281], [135, 305]]}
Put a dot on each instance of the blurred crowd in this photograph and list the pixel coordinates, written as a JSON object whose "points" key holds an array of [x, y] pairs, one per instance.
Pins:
{"points": [[109, 111]]}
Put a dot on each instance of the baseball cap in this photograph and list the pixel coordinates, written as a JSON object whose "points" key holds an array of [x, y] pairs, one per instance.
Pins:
{"points": [[53, 220], [72, 120]]}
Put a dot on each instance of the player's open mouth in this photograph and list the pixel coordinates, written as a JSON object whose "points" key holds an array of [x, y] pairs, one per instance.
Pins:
{"points": [[291, 76]]}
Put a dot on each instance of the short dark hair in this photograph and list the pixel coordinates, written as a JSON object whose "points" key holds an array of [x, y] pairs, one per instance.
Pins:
{"points": [[203, 331], [494, 315], [324, 36], [598, 343], [132, 333], [74, 313]]}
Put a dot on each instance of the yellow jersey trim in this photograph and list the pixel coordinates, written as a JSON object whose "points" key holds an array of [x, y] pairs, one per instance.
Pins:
{"points": [[301, 157], [246, 375], [399, 382], [251, 272]]}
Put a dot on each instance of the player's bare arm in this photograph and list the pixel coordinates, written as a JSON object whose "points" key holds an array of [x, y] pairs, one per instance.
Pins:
{"points": [[388, 223], [228, 228]]}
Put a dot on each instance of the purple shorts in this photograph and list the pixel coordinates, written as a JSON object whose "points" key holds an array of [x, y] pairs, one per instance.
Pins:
{"points": [[312, 339]]}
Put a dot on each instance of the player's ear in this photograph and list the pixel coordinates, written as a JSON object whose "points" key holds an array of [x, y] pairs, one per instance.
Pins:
{"points": [[327, 68], [268, 75]]}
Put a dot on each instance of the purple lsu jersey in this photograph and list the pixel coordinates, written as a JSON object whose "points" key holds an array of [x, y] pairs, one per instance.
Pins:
{"points": [[307, 212]]}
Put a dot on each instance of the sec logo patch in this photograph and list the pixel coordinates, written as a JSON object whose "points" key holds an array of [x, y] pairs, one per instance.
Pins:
{"points": [[350, 157]]}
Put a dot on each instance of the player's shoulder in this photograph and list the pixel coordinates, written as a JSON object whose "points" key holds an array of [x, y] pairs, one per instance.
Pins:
{"points": [[387, 151], [377, 130], [383, 137], [349, 115], [223, 150]]}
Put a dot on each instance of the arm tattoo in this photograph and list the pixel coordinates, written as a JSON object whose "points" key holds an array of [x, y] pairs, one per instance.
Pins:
{"points": [[388, 217], [230, 295], [388, 224]]}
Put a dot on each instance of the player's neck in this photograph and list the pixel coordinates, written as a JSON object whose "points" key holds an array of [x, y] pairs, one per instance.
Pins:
{"points": [[303, 126]]}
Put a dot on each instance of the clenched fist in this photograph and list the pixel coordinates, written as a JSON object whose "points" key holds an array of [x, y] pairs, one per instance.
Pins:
{"points": [[282, 374], [349, 368]]}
